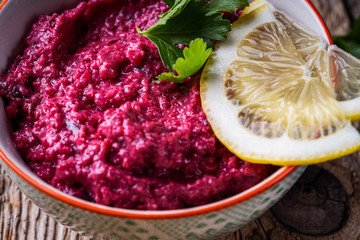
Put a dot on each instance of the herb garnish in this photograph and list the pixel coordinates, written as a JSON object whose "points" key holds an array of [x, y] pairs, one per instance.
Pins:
{"points": [[194, 23], [194, 58]]}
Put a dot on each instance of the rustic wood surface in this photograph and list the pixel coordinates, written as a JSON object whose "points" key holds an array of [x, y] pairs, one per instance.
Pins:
{"points": [[353, 8], [324, 204]]}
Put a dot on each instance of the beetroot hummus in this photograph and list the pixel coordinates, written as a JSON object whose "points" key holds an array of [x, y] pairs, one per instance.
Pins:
{"points": [[91, 121]]}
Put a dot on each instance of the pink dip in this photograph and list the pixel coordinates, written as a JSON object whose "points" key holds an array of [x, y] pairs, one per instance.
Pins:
{"points": [[92, 122]]}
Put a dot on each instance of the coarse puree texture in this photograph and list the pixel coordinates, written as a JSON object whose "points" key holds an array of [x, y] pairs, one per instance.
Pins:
{"points": [[91, 121]]}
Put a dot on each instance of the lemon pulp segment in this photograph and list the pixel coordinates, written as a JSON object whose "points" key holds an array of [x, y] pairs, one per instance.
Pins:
{"points": [[304, 40], [269, 100], [343, 68], [345, 73]]}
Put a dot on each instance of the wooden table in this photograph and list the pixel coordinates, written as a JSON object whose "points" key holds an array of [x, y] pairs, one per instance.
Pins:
{"points": [[324, 204]]}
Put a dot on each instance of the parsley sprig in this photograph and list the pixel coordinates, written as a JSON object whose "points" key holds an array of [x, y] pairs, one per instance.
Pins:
{"points": [[194, 58], [194, 23]]}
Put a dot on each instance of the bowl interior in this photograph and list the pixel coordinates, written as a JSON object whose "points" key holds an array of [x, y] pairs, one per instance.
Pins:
{"points": [[15, 20]]}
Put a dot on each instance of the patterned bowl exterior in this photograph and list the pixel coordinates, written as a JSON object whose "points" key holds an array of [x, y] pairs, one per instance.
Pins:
{"points": [[206, 226]]}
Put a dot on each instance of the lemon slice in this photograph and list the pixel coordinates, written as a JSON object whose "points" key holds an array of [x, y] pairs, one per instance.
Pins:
{"points": [[269, 102], [345, 73], [344, 69]]}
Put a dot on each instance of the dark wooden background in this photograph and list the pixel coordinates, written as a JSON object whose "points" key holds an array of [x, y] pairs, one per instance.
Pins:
{"points": [[324, 204]]}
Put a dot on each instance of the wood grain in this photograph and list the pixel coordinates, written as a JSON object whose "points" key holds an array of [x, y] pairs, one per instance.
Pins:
{"points": [[334, 14], [347, 170], [21, 220], [316, 205], [354, 7]]}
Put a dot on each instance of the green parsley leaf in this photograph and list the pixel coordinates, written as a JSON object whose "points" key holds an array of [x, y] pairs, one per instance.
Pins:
{"points": [[169, 53], [195, 57], [350, 42], [226, 6], [184, 22], [187, 20]]}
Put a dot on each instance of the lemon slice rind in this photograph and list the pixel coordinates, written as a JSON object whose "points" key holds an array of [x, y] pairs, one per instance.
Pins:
{"points": [[223, 116], [349, 87], [351, 109], [256, 5], [257, 149]]}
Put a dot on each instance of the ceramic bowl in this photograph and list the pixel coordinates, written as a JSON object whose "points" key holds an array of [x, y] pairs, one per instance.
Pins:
{"points": [[204, 222]]}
